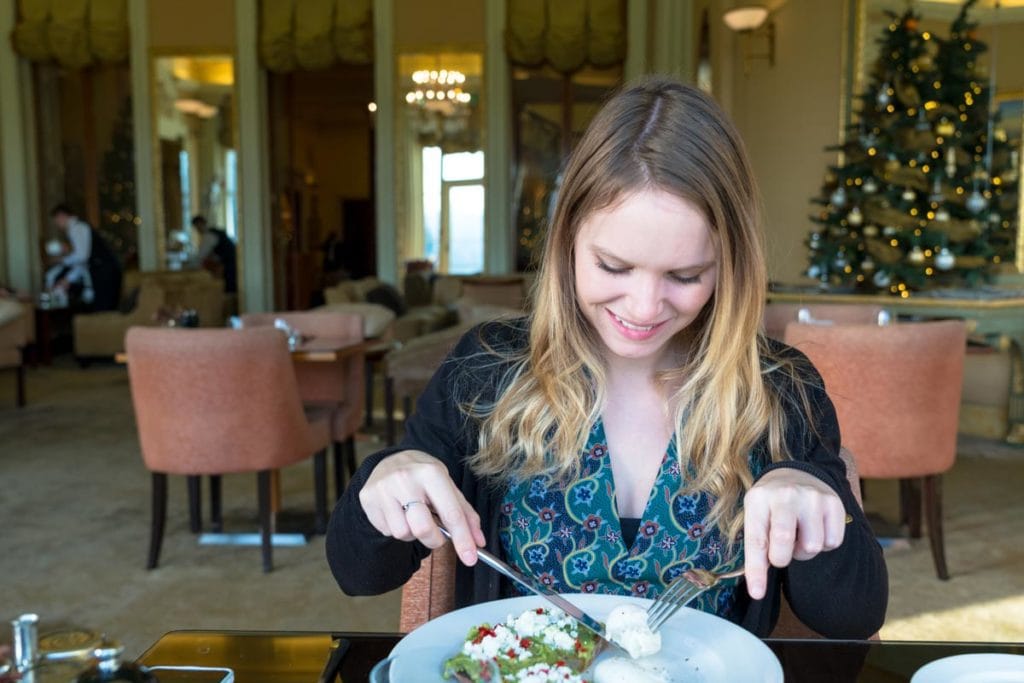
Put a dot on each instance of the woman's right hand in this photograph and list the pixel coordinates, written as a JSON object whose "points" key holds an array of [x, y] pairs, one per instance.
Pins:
{"points": [[419, 483]]}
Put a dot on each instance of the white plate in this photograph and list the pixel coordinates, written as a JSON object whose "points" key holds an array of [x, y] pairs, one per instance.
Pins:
{"points": [[979, 668], [696, 647]]}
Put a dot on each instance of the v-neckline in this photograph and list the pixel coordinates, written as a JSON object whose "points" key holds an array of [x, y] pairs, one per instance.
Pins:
{"points": [[602, 438]]}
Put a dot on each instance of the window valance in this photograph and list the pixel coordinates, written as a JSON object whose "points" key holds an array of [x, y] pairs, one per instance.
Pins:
{"points": [[75, 33], [314, 34], [567, 34]]}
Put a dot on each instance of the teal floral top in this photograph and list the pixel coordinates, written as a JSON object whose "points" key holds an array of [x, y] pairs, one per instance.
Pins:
{"points": [[571, 540]]}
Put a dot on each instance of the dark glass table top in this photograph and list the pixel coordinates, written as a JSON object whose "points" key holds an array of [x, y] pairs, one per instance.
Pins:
{"points": [[271, 657]]}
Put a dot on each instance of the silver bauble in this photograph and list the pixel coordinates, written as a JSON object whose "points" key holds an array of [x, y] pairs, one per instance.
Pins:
{"points": [[883, 98], [908, 195], [838, 197], [870, 186], [855, 217], [915, 256], [867, 265], [945, 259], [942, 215], [976, 203], [882, 278]]}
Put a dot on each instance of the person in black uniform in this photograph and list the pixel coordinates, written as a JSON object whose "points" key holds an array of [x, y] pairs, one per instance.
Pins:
{"points": [[91, 268], [217, 253]]}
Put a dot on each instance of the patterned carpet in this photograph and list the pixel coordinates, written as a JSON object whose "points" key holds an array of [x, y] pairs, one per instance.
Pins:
{"points": [[74, 503]]}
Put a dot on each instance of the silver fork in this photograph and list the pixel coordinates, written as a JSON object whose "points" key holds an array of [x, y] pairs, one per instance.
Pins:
{"points": [[682, 592], [685, 589]]}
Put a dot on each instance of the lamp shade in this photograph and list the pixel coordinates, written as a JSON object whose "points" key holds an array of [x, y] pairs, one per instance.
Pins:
{"points": [[746, 18]]}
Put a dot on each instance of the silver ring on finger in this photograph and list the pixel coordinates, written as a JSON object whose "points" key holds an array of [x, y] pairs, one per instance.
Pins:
{"points": [[406, 506]]}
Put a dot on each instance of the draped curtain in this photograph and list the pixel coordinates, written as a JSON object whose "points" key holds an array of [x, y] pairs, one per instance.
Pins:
{"points": [[75, 33], [315, 34], [567, 34]]}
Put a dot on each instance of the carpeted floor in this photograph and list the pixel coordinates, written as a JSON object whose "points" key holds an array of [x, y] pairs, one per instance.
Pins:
{"points": [[74, 509]]}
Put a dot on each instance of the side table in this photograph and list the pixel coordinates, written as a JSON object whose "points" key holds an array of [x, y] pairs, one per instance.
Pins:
{"points": [[50, 321]]}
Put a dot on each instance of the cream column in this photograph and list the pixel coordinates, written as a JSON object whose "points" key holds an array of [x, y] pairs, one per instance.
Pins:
{"points": [[673, 38], [142, 132], [384, 140], [18, 168], [256, 291], [636, 40], [499, 239]]}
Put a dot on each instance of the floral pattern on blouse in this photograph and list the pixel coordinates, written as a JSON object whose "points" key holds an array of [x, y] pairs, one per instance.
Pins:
{"points": [[570, 539]]}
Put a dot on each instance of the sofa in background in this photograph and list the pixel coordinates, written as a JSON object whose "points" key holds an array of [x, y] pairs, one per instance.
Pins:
{"points": [[144, 296], [17, 330], [431, 303]]}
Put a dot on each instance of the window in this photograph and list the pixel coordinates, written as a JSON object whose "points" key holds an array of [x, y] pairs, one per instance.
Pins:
{"points": [[453, 210]]}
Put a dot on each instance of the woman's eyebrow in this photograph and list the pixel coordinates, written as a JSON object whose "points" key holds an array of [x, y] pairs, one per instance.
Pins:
{"points": [[608, 256]]}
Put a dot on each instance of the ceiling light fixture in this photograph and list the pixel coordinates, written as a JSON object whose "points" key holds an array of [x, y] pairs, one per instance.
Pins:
{"points": [[751, 21]]}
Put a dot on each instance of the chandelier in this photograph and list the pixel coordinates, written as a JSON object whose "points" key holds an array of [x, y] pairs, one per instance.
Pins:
{"points": [[440, 90]]}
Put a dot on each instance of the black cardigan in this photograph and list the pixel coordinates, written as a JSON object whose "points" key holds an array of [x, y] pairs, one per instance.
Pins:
{"points": [[840, 594]]}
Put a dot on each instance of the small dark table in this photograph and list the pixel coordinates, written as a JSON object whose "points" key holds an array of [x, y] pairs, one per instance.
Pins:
{"points": [[52, 322], [299, 657]]}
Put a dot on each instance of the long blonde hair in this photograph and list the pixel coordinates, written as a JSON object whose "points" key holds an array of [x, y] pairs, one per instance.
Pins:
{"points": [[665, 135]]}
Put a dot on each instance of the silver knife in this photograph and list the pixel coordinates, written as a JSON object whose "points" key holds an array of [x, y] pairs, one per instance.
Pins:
{"points": [[534, 586]]}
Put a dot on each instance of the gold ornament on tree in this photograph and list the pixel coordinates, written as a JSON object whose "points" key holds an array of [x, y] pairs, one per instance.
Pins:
{"points": [[945, 127]]}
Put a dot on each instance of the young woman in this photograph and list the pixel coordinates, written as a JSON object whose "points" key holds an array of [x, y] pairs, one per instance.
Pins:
{"points": [[635, 423]]}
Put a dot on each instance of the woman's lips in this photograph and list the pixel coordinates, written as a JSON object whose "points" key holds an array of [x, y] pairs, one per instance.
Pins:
{"points": [[632, 331]]}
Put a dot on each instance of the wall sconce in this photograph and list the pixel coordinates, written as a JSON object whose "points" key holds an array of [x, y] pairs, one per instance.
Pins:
{"points": [[747, 20]]}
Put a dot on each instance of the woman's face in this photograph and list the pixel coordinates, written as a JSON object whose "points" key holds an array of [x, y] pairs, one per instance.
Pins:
{"points": [[645, 268]]}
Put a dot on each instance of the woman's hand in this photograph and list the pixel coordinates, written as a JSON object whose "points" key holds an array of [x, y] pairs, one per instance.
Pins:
{"points": [[788, 515], [400, 494]]}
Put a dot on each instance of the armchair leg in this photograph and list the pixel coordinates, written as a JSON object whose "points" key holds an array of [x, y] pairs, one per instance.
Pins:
{"points": [[320, 491], [339, 473], [20, 389], [933, 508], [216, 518], [158, 516], [910, 505], [368, 367], [389, 412], [263, 494], [195, 504], [350, 456]]}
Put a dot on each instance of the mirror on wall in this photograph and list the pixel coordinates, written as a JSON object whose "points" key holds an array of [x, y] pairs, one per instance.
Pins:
{"points": [[1000, 27], [442, 149], [196, 156]]}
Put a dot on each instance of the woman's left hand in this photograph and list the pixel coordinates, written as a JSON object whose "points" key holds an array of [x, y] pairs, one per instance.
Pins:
{"points": [[788, 515]]}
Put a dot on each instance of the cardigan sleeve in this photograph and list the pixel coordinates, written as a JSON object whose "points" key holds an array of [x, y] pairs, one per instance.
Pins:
{"points": [[364, 561], [841, 593]]}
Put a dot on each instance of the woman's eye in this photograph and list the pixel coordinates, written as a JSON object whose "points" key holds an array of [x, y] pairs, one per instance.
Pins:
{"points": [[608, 269], [685, 280]]}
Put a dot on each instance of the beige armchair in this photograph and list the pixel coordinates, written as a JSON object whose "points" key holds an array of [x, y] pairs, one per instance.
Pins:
{"points": [[417, 320], [17, 330], [102, 334]]}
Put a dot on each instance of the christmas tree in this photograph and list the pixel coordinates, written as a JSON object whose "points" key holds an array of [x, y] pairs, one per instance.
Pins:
{"points": [[119, 222], [925, 192]]}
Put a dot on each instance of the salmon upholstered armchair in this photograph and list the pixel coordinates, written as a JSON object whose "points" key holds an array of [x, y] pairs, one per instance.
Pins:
{"points": [[338, 385], [430, 592], [221, 401], [896, 391], [779, 314]]}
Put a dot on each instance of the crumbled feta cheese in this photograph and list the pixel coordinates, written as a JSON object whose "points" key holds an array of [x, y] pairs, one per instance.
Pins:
{"points": [[544, 673], [627, 626]]}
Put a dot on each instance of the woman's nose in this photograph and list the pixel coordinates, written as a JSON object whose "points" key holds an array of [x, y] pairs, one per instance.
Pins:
{"points": [[645, 301]]}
